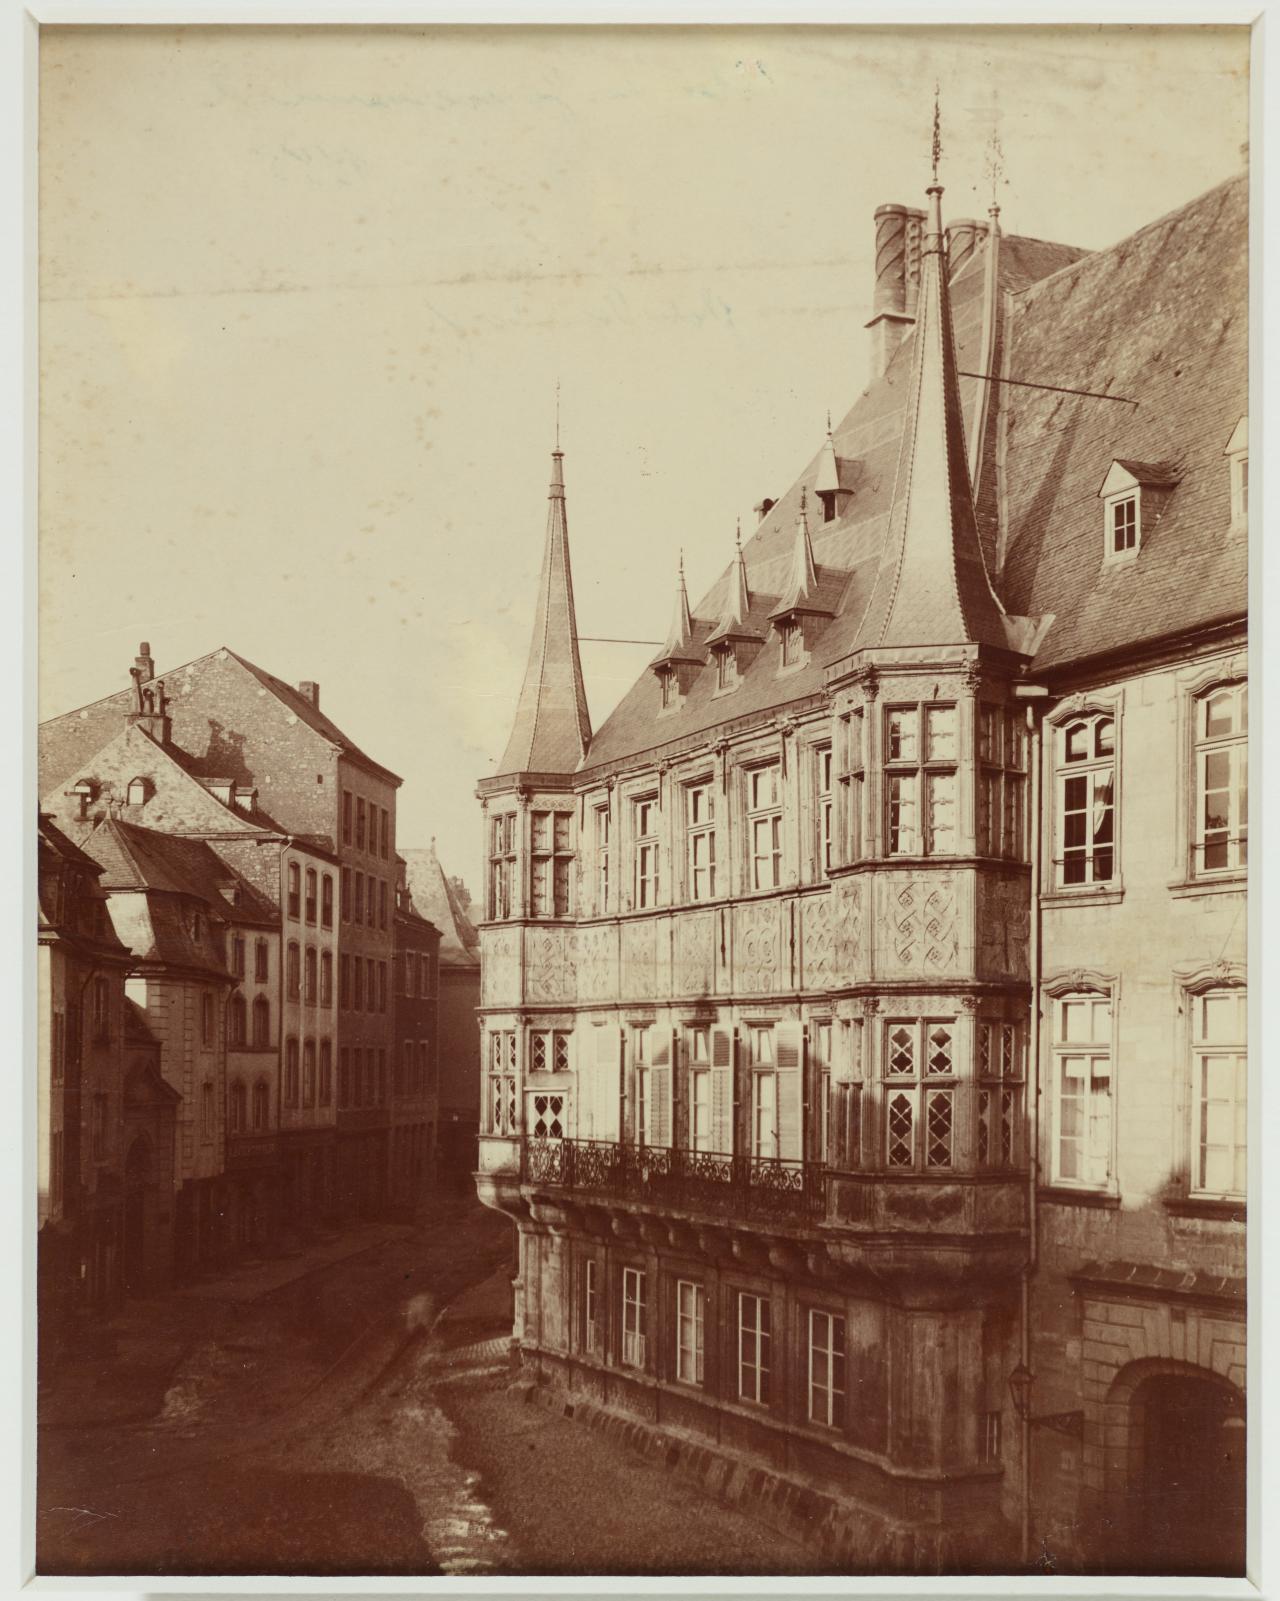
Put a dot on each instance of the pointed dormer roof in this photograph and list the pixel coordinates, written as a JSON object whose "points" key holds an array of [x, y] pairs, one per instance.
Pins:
{"points": [[732, 623], [828, 474], [552, 727], [932, 586], [678, 645]]}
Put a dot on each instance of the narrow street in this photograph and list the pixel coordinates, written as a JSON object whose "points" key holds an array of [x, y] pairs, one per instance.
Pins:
{"points": [[346, 1412]]}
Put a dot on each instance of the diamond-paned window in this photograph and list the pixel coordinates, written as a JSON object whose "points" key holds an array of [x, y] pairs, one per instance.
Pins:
{"points": [[548, 1117], [984, 1051], [560, 1053], [984, 1127], [901, 1124], [939, 1049], [938, 1125], [538, 1055], [902, 1050]]}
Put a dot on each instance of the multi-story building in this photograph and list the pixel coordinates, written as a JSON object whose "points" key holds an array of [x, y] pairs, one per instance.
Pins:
{"points": [[415, 1081], [254, 761], [863, 1003], [444, 902]]}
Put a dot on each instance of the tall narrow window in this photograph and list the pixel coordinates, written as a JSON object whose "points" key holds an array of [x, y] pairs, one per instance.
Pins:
{"points": [[382, 903], [238, 1020], [1082, 1096], [1086, 800], [293, 972], [326, 1072], [346, 817], [726, 668], [1218, 1094], [309, 967], [764, 826], [753, 1348], [764, 1095], [1002, 782], [1000, 1075], [346, 894], [853, 778], [1124, 524], [311, 895], [550, 859], [699, 1052], [326, 901], [237, 955], [826, 1369], [591, 1306], [261, 1023], [820, 1055], [633, 1317], [920, 780], [309, 1073], [360, 822], [291, 1072], [792, 643], [1221, 842], [602, 858], [357, 904], [384, 842], [919, 1093], [295, 890], [823, 811], [208, 1027], [261, 961], [261, 1106], [501, 1114], [326, 978], [357, 984], [646, 837], [640, 1062], [502, 865], [691, 1300], [700, 835]]}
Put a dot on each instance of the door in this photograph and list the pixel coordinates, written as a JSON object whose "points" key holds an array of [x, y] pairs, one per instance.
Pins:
{"points": [[1190, 1491]]}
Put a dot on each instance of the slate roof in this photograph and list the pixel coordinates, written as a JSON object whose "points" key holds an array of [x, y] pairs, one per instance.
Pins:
{"points": [[1159, 317], [136, 858], [435, 899]]}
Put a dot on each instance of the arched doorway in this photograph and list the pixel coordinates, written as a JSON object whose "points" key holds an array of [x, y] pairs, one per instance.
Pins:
{"points": [[1186, 1479], [137, 1183]]}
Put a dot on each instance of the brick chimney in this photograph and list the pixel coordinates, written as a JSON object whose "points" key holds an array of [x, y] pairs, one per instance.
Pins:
{"points": [[964, 236], [144, 663], [899, 230], [310, 690], [762, 508]]}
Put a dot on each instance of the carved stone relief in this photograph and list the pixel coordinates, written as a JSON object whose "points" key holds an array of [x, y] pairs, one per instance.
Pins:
{"points": [[638, 966], [595, 964], [548, 974], [499, 968], [756, 953], [695, 955], [918, 923], [847, 928], [818, 947]]}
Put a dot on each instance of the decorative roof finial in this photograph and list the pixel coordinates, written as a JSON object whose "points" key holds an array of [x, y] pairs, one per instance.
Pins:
{"points": [[737, 538], [557, 413], [994, 165], [937, 129], [828, 422]]}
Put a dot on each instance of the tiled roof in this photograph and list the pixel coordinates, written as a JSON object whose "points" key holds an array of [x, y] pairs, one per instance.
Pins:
{"points": [[139, 858], [1159, 318], [1145, 1276], [435, 898]]}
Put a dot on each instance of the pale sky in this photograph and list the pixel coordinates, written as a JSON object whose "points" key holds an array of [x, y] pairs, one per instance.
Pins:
{"points": [[306, 293]]}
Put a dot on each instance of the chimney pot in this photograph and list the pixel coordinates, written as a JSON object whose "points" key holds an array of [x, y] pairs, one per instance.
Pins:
{"points": [[762, 508], [311, 690]]}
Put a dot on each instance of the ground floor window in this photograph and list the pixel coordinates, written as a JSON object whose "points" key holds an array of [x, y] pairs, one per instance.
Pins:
{"points": [[1219, 1071], [989, 1432], [753, 1348], [591, 1306], [690, 1320], [826, 1369], [633, 1317]]}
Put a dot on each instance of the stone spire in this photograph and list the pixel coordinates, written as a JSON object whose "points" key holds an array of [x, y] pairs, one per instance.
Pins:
{"points": [[804, 575], [737, 601], [552, 728], [932, 586]]}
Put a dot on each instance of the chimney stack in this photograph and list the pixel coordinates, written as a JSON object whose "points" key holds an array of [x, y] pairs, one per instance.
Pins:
{"points": [[762, 508], [310, 690], [144, 663], [964, 236], [899, 230]]}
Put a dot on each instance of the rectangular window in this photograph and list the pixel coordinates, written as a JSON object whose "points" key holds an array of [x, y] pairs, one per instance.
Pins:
{"points": [[1219, 1090], [295, 890], [346, 894], [261, 961], [691, 1300], [326, 979], [291, 1072], [989, 1436], [753, 1348], [550, 858], [371, 983], [1124, 525], [346, 817], [357, 905], [640, 1062], [699, 1053], [853, 779], [822, 788], [237, 955], [591, 1306], [344, 982], [920, 780], [309, 1073], [700, 836], [602, 858], [344, 1075], [360, 822], [646, 838], [311, 895], [207, 1028], [326, 901], [502, 865], [309, 968], [764, 826], [820, 1057], [1086, 801], [826, 1369], [384, 842], [1000, 1091], [500, 1111], [382, 986], [293, 972], [382, 903], [919, 1093], [633, 1317], [357, 984], [726, 668], [764, 1095], [1221, 843], [1082, 1099], [792, 644], [326, 1072]]}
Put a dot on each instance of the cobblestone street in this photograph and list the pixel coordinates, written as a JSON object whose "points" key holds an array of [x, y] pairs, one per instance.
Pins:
{"points": [[347, 1412]]}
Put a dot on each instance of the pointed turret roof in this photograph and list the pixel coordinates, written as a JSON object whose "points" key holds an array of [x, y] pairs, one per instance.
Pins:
{"points": [[804, 591], [932, 586], [435, 898], [678, 646], [552, 727], [732, 622]]}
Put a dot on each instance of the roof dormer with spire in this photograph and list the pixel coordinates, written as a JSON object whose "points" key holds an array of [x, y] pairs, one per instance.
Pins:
{"points": [[552, 728], [810, 597], [734, 640], [677, 663]]}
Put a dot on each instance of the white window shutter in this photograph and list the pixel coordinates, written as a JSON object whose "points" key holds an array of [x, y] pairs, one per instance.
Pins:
{"points": [[790, 1057], [659, 1122], [721, 1091], [605, 1084]]}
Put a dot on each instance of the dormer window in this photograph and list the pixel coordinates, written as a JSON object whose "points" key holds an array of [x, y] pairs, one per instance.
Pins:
{"points": [[667, 685], [83, 793], [1124, 525], [1134, 495], [138, 791], [1237, 454], [726, 669], [792, 643]]}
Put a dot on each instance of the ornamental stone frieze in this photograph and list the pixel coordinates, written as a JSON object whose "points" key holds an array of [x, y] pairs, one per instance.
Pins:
{"points": [[639, 959], [500, 967], [917, 924], [549, 971], [757, 964], [694, 953], [817, 941]]}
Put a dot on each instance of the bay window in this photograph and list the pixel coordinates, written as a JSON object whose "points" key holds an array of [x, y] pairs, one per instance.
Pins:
{"points": [[920, 780], [550, 858], [1000, 1076], [502, 865]]}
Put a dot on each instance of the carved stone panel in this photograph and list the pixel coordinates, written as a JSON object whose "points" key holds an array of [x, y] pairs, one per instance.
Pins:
{"points": [[818, 940], [548, 971], [695, 954], [1004, 928], [639, 968], [500, 967], [596, 966], [757, 958], [917, 928], [847, 902]]}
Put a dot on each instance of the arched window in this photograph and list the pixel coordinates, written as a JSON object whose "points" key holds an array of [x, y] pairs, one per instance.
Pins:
{"points": [[261, 1022], [295, 890], [293, 972], [326, 978], [311, 894], [1221, 841], [238, 1019], [310, 969], [261, 1105], [309, 1073], [1086, 779], [291, 1072], [326, 901], [237, 1108]]}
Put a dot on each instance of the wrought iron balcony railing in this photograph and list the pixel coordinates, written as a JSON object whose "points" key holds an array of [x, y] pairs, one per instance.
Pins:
{"points": [[744, 1186]]}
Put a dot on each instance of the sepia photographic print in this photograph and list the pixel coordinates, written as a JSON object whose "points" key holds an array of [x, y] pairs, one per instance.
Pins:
{"points": [[642, 823]]}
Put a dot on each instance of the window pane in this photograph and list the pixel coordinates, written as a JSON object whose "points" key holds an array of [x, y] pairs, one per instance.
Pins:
{"points": [[1218, 718], [902, 730], [942, 733], [942, 813]]}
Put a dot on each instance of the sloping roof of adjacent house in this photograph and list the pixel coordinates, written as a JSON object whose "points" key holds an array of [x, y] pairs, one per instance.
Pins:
{"points": [[435, 898], [136, 858], [1160, 318]]}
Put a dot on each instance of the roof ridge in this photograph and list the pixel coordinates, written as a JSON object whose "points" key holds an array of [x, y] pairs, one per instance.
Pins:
{"points": [[102, 700], [1126, 239]]}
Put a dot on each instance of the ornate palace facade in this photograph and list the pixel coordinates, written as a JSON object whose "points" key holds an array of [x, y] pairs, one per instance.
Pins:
{"points": [[863, 1003]]}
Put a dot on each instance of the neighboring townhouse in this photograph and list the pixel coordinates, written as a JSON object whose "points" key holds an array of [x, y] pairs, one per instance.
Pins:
{"points": [[415, 1085]]}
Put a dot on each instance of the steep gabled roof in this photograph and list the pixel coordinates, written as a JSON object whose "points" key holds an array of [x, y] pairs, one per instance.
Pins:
{"points": [[435, 899], [135, 858], [552, 727]]}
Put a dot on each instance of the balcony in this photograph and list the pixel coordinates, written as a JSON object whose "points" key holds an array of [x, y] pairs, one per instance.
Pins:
{"points": [[746, 1188]]}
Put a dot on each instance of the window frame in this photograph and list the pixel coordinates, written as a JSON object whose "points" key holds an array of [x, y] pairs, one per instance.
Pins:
{"points": [[1094, 990], [646, 835], [700, 832], [633, 1340], [503, 850], [921, 1089], [1235, 745], [1090, 767], [760, 1332], [924, 769], [1229, 985], [550, 864], [690, 1354], [768, 814], [835, 1352]]}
